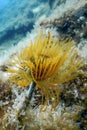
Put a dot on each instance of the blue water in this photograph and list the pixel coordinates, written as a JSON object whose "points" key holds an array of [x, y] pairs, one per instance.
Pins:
{"points": [[18, 17]]}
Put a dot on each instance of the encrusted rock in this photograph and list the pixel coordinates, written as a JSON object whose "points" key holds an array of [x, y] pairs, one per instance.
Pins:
{"points": [[5, 90], [71, 25]]}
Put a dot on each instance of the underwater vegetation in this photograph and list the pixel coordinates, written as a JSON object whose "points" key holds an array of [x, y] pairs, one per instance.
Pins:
{"points": [[55, 69], [43, 83], [46, 62]]}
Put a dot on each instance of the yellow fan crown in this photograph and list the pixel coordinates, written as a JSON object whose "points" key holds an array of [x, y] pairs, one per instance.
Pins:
{"points": [[48, 63]]}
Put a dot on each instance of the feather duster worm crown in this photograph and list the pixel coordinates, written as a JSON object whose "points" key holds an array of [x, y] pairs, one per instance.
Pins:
{"points": [[46, 62]]}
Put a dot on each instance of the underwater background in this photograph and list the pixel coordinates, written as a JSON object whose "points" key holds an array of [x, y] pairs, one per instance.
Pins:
{"points": [[26, 30]]}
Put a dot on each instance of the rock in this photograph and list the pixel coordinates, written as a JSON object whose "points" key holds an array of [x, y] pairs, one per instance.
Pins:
{"points": [[5, 90], [72, 25]]}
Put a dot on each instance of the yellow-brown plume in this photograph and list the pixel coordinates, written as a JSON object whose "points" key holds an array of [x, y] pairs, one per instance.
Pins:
{"points": [[48, 63]]}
